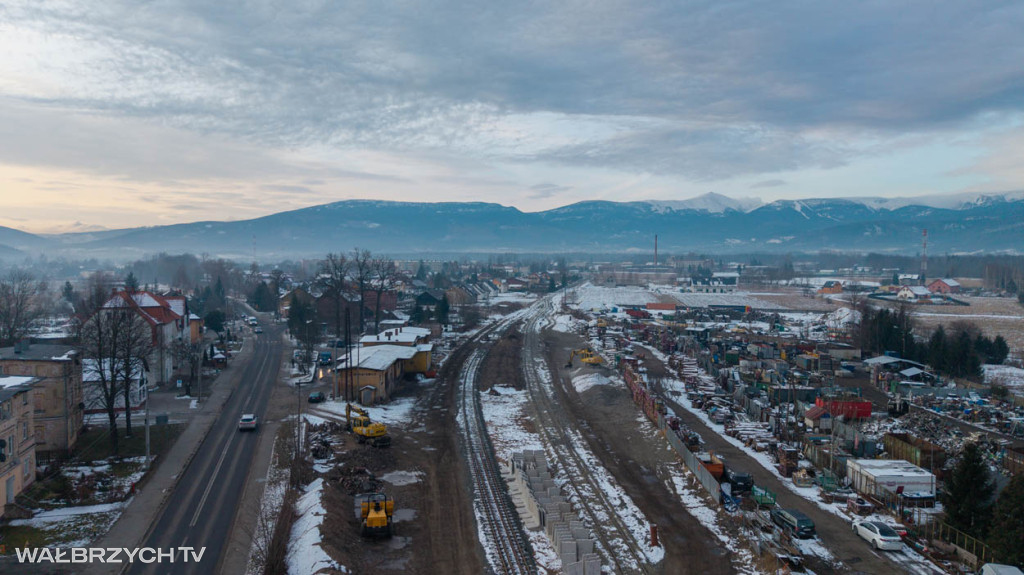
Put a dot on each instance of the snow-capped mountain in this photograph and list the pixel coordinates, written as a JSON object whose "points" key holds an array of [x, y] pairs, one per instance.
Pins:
{"points": [[710, 223], [710, 202]]}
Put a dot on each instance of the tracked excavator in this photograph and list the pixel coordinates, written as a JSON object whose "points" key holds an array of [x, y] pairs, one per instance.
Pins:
{"points": [[358, 422], [586, 356]]}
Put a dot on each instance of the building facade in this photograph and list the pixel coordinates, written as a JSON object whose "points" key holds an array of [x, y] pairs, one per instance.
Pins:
{"points": [[58, 399], [17, 439]]}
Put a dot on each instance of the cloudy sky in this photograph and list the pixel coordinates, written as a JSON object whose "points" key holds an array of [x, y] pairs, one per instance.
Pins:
{"points": [[122, 114]]}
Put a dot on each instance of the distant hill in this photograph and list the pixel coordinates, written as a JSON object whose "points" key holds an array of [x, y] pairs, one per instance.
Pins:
{"points": [[711, 223]]}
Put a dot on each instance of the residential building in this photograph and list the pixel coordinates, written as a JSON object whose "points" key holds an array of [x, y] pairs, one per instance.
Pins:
{"points": [[58, 400], [944, 286], [913, 293], [831, 287], [167, 318], [404, 336], [17, 440], [94, 398], [285, 302]]}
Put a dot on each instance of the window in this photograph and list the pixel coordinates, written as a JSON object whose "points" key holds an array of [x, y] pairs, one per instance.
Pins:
{"points": [[27, 467], [24, 430]]}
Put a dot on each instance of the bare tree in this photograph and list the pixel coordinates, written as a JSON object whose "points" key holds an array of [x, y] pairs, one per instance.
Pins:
{"points": [[332, 279], [21, 303], [97, 340], [363, 273], [190, 354], [383, 276]]}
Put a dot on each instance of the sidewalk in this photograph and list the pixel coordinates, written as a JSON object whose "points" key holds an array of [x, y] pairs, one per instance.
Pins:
{"points": [[134, 524]]}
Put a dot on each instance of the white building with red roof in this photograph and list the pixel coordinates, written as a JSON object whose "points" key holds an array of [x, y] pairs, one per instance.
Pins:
{"points": [[167, 317]]}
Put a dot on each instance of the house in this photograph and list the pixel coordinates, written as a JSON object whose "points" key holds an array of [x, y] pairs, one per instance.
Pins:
{"points": [[428, 299], [945, 285], [373, 371], [166, 316], [195, 328], [58, 410], [831, 287], [285, 302], [459, 296], [913, 293], [92, 382], [17, 440], [388, 300], [405, 336]]}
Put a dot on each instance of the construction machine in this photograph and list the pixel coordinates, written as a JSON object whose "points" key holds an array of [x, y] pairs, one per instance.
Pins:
{"points": [[358, 422], [587, 356], [376, 511]]}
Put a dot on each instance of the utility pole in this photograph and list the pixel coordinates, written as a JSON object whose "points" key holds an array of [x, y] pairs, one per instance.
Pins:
{"points": [[148, 458]]}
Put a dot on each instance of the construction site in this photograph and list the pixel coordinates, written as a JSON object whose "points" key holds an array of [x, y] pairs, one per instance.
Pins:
{"points": [[572, 436]]}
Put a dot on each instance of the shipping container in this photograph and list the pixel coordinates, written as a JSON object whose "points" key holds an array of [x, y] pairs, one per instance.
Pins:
{"points": [[915, 450]]}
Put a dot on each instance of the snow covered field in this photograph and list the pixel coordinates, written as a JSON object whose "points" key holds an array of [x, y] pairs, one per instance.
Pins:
{"points": [[1005, 375]]}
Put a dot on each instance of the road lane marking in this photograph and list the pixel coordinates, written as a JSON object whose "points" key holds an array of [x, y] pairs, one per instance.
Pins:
{"points": [[209, 484]]}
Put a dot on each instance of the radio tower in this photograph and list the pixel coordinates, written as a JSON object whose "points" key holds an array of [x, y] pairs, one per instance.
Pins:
{"points": [[924, 256]]}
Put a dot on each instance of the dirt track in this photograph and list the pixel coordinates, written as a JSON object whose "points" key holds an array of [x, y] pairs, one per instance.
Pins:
{"points": [[608, 420], [441, 537]]}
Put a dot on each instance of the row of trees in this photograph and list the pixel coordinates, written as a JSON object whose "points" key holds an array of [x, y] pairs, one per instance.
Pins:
{"points": [[968, 501], [958, 351]]}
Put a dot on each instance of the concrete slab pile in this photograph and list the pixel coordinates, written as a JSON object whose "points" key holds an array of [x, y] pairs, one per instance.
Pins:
{"points": [[542, 505]]}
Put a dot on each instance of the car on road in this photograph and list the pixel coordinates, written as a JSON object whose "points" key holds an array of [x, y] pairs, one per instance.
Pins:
{"points": [[247, 422], [258, 329], [317, 397], [879, 535]]}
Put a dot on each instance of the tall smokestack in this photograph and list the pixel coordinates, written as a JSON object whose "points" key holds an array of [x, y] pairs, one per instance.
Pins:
{"points": [[655, 249], [924, 256]]}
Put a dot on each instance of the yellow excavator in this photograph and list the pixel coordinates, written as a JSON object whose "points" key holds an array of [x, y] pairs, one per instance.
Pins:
{"points": [[587, 356], [366, 431], [376, 511]]}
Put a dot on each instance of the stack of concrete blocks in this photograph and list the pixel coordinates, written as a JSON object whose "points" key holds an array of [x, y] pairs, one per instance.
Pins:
{"points": [[545, 506]]}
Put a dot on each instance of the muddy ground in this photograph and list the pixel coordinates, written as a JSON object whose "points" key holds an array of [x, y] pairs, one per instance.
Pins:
{"points": [[609, 420], [435, 527]]}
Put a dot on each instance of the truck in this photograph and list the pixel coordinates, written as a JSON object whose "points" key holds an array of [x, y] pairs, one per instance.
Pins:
{"points": [[376, 514]]}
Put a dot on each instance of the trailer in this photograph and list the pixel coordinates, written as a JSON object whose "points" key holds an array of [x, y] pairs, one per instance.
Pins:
{"points": [[879, 477]]}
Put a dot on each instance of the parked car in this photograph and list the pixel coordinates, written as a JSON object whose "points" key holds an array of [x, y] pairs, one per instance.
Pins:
{"points": [[741, 482], [247, 422], [879, 535], [317, 397], [794, 521]]}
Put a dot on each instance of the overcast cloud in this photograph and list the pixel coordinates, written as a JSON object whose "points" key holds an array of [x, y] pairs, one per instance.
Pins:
{"points": [[536, 104]]}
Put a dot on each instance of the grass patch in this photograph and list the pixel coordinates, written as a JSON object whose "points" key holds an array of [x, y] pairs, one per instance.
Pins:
{"points": [[77, 529], [94, 444]]}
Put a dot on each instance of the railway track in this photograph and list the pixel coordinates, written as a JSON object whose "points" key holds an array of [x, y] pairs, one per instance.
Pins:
{"points": [[501, 531], [615, 538]]}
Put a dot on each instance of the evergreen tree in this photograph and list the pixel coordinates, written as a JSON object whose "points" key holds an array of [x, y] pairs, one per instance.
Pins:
{"points": [[421, 271], [417, 315], [131, 283], [1000, 350], [551, 285], [1007, 528], [68, 292], [215, 320], [895, 279], [968, 493], [938, 349]]}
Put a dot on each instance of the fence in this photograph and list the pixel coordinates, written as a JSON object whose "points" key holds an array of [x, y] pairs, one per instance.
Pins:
{"points": [[704, 476], [926, 523]]}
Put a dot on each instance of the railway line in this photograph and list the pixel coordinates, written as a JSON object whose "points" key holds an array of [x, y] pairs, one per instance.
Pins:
{"points": [[616, 541], [505, 542]]}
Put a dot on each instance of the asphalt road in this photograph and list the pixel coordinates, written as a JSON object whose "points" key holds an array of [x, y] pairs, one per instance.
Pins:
{"points": [[201, 510]]}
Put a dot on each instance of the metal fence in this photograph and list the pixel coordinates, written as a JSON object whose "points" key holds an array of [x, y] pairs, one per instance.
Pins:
{"points": [[692, 463]]}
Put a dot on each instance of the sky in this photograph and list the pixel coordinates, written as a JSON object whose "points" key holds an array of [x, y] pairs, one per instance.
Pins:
{"points": [[121, 114]]}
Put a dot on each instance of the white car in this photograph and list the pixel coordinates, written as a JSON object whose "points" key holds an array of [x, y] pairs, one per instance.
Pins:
{"points": [[879, 535], [247, 422]]}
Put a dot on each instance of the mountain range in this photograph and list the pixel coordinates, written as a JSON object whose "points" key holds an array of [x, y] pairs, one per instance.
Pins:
{"points": [[964, 223]]}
